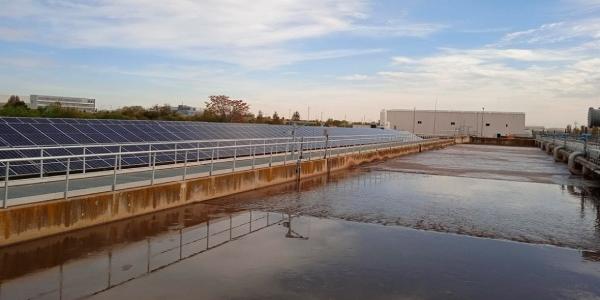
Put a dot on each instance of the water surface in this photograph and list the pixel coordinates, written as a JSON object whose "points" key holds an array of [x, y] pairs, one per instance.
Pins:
{"points": [[516, 227]]}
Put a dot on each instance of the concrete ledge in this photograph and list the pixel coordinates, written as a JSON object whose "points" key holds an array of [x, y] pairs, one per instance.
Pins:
{"points": [[32, 221], [518, 142]]}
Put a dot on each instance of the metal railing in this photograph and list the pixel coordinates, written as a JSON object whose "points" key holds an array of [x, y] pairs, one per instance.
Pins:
{"points": [[588, 145], [245, 153], [55, 162]]}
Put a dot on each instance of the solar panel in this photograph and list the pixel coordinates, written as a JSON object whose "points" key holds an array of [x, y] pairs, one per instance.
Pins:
{"points": [[17, 134]]}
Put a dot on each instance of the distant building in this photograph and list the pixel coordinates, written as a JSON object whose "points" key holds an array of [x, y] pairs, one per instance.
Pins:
{"points": [[533, 130], [81, 104], [185, 110], [445, 122]]}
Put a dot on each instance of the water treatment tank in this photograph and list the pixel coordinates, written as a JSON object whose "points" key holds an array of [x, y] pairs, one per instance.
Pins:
{"points": [[593, 117]]}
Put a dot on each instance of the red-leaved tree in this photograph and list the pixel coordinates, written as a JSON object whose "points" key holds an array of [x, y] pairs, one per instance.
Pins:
{"points": [[227, 110]]}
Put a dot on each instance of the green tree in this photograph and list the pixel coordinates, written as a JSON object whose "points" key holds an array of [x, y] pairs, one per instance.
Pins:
{"points": [[15, 101]]}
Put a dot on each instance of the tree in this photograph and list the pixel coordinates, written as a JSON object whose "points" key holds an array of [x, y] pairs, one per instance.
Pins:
{"points": [[276, 119], [15, 101], [260, 118], [296, 116], [133, 112], [227, 110]]}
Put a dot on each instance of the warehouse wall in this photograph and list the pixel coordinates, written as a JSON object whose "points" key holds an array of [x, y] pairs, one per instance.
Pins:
{"points": [[431, 122]]}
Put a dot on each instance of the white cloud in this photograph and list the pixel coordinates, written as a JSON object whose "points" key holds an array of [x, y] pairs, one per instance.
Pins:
{"points": [[405, 29], [249, 33], [354, 77], [555, 33], [402, 60], [551, 72], [493, 68]]}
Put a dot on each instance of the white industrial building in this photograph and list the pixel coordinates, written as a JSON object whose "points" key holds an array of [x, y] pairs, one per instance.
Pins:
{"points": [[81, 104], [446, 122]]}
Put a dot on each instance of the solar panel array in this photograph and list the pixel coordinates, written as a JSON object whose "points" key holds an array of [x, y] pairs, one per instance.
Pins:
{"points": [[19, 135]]}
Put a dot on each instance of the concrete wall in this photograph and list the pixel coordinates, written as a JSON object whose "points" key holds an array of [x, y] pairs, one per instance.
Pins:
{"points": [[521, 142], [431, 122], [27, 222]]}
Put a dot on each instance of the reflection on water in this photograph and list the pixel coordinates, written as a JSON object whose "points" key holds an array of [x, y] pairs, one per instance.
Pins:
{"points": [[349, 260], [520, 211], [589, 202], [87, 262]]}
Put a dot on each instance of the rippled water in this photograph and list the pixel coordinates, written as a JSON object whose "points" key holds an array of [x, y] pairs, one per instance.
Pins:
{"points": [[206, 252], [520, 211]]}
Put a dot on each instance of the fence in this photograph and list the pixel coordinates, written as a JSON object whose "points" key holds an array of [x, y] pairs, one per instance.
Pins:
{"points": [[173, 163], [587, 144]]}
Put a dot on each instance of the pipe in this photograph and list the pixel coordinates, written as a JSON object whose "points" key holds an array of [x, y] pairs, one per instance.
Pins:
{"points": [[574, 167]]}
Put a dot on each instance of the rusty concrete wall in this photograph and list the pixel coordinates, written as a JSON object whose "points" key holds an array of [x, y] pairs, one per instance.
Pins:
{"points": [[519, 142], [27, 222]]}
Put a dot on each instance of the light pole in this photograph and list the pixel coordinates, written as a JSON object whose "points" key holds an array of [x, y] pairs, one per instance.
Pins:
{"points": [[482, 112]]}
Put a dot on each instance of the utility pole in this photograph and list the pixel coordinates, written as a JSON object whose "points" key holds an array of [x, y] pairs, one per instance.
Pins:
{"points": [[482, 112], [308, 114]]}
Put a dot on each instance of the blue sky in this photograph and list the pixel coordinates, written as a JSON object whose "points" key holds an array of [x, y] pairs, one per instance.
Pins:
{"points": [[340, 57]]}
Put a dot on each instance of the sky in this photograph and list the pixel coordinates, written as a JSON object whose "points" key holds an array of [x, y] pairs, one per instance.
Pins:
{"points": [[337, 58]]}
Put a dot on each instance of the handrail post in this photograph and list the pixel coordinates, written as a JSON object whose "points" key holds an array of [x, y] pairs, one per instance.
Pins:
{"points": [[271, 156], [212, 157], [253, 149], [217, 150], [175, 162], [66, 194], [41, 164], [234, 156], [285, 154], [114, 184], [84, 151], [120, 150], [153, 168], [301, 156], [198, 152], [185, 164], [326, 144], [6, 175], [150, 155]]}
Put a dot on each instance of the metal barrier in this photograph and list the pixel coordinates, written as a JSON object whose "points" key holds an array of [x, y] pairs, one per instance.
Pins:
{"points": [[242, 154], [580, 143]]}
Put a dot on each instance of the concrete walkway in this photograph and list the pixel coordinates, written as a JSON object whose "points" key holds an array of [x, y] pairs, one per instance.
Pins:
{"points": [[26, 191]]}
